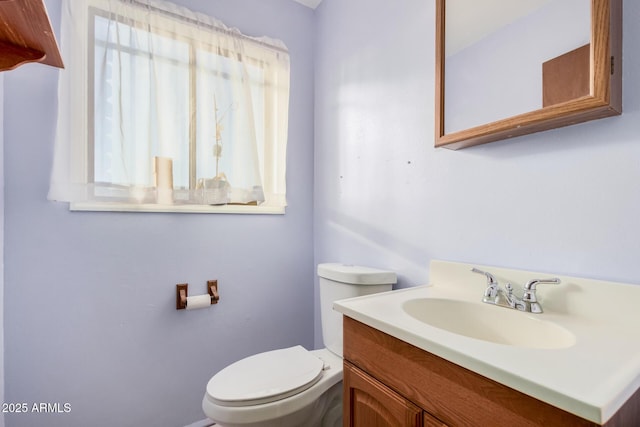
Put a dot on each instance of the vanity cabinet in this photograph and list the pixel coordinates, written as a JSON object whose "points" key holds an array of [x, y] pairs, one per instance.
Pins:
{"points": [[388, 382]]}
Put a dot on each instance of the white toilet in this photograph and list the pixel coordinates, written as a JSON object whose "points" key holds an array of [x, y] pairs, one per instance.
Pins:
{"points": [[293, 386]]}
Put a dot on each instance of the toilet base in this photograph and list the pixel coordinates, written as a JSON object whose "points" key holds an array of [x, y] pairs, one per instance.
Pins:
{"points": [[318, 406]]}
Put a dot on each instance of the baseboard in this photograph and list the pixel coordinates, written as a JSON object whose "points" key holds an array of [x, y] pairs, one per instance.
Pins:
{"points": [[202, 423]]}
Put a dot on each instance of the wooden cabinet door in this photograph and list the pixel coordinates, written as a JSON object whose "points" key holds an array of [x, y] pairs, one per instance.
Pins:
{"points": [[369, 403]]}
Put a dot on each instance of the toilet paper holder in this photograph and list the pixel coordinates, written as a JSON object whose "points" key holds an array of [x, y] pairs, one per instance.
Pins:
{"points": [[182, 291]]}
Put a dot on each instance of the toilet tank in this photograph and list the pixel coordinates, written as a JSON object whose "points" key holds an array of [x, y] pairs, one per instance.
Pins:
{"points": [[340, 281]]}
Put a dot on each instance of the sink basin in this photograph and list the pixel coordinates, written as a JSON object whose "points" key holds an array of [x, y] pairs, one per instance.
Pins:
{"points": [[489, 323]]}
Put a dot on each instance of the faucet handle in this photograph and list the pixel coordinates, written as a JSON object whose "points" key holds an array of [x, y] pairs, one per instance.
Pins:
{"points": [[529, 294], [531, 284], [490, 279], [492, 283]]}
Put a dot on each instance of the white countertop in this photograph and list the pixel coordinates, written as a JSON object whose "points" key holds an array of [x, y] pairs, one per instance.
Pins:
{"points": [[592, 378]]}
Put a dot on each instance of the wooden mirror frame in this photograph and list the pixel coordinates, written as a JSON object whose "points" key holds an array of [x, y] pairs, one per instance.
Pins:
{"points": [[604, 100]]}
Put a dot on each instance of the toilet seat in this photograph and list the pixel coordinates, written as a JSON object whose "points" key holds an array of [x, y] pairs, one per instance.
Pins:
{"points": [[265, 377], [286, 411]]}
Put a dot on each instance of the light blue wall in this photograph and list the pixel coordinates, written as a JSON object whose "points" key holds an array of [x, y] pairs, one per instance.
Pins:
{"points": [[2, 245], [564, 201], [90, 297]]}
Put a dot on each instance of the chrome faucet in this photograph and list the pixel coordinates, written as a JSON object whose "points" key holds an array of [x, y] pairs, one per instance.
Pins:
{"points": [[505, 298]]}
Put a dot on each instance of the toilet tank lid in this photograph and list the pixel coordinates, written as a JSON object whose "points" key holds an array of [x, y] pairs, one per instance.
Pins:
{"points": [[356, 275]]}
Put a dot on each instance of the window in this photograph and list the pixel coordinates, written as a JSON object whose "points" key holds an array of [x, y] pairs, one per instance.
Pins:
{"points": [[164, 109]]}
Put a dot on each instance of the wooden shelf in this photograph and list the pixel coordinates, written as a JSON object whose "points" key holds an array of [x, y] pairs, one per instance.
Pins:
{"points": [[26, 35]]}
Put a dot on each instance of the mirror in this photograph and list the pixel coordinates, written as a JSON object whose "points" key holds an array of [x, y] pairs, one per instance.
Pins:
{"points": [[506, 68]]}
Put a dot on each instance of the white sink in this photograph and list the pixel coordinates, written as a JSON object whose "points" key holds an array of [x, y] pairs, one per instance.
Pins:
{"points": [[489, 323], [582, 354]]}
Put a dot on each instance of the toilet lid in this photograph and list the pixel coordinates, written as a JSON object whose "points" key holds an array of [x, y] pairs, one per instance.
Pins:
{"points": [[265, 377]]}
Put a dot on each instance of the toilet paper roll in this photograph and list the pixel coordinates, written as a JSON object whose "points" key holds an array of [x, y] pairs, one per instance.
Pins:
{"points": [[198, 301]]}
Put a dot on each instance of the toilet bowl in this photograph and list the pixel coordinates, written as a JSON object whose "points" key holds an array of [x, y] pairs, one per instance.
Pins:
{"points": [[302, 397], [294, 386]]}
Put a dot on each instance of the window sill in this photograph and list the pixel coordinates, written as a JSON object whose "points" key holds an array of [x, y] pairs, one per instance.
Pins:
{"points": [[221, 209]]}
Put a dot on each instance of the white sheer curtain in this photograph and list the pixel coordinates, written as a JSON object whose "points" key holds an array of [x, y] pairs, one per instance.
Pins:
{"points": [[156, 98]]}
